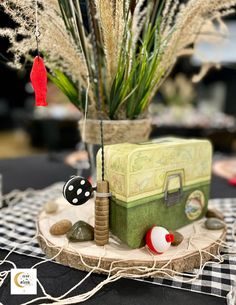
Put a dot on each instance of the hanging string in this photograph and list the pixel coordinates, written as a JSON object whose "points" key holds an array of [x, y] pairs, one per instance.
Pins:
{"points": [[37, 33], [101, 126], [98, 81], [85, 109], [102, 147]]}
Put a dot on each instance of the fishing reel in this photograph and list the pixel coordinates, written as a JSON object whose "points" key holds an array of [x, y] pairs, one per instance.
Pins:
{"points": [[78, 190]]}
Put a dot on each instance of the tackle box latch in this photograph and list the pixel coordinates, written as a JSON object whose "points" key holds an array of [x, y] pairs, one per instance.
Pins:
{"points": [[172, 198]]}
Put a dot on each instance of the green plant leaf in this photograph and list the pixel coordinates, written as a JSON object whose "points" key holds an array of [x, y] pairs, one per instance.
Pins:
{"points": [[66, 86]]}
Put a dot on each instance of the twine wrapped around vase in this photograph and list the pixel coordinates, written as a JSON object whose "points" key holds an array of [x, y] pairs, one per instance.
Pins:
{"points": [[116, 131]]}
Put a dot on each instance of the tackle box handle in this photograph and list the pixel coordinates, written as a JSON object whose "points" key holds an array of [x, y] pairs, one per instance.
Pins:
{"points": [[172, 198]]}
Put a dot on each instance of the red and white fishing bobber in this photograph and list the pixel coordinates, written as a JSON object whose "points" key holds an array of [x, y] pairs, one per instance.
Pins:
{"points": [[232, 181], [158, 239]]}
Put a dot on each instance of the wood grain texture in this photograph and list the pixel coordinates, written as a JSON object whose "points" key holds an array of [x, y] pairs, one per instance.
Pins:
{"points": [[116, 254]]}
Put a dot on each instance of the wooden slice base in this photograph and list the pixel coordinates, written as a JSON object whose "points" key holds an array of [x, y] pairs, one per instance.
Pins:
{"points": [[86, 255]]}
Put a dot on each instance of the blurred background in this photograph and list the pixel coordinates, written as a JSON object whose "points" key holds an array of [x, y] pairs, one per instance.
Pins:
{"points": [[203, 110]]}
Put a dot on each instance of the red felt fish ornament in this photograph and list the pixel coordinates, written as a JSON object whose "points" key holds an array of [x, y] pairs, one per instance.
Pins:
{"points": [[38, 77]]}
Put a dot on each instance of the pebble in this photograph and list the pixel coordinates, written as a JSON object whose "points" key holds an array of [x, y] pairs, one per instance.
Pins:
{"points": [[50, 207], [61, 227], [214, 213], [178, 238], [214, 224], [81, 231]]}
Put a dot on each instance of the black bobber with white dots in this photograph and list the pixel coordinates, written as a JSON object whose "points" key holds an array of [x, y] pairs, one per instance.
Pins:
{"points": [[77, 190]]}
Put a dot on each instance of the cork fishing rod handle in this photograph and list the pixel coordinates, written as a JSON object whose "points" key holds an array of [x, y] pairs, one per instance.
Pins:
{"points": [[101, 231]]}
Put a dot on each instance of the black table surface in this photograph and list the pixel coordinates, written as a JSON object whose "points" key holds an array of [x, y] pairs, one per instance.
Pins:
{"points": [[42, 170]]}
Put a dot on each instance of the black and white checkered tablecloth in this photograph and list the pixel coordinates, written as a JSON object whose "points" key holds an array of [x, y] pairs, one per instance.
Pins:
{"points": [[17, 225]]}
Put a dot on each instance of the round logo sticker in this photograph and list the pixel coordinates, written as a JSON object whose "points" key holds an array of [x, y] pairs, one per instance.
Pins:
{"points": [[194, 205]]}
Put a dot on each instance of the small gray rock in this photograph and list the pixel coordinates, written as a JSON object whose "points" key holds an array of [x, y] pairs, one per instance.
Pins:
{"points": [[214, 213], [50, 207], [214, 224], [178, 238], [81, 231]]}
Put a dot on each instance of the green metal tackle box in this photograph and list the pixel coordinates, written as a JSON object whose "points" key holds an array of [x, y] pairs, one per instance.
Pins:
{"points": [[164, 182]]}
